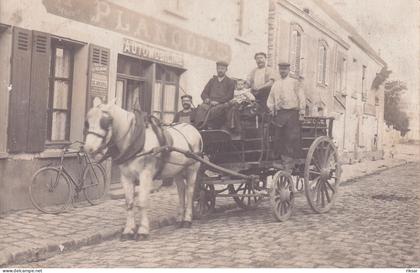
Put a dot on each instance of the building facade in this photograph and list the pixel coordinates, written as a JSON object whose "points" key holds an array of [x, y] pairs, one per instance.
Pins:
{"points": [[58, 55], [337, 68]]}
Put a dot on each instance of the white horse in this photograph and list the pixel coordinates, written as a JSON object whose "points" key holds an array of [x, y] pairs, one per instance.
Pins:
{"points": [[109, 126]]}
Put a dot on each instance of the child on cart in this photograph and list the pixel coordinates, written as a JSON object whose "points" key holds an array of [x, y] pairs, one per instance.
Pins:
{"points": [[242, 97]]}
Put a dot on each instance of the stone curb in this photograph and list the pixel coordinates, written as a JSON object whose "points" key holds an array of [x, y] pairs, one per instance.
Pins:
{"points": [[352, 180], [54, 248]]}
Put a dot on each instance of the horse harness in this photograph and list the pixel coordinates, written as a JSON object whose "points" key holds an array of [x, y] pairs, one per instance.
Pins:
{"points": [[136, 146]]}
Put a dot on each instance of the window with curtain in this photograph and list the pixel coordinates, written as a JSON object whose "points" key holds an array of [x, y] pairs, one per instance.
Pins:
{"points": [[322, 62], [165, 95], [295, 54], [59, 104]]}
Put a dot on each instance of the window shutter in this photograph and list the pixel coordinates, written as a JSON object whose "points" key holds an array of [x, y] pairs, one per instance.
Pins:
{"points": [[293, 51], [298, 53], [19, 96], [320, 63], [337, 67], [302, 54], [344, 76], [326, 66], [98, 74], [38, 98]]}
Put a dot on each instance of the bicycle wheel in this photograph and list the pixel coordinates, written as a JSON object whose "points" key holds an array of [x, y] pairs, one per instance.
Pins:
{"points": [[94, 183], [50, 190]]}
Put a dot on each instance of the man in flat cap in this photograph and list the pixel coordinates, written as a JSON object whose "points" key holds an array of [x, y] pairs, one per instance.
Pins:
{"points": [[185, 115], [216, 95], [261, 78], [286, 103]]}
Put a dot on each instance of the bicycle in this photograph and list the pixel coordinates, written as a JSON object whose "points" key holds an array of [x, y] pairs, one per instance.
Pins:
{"points": [[51, 186]]}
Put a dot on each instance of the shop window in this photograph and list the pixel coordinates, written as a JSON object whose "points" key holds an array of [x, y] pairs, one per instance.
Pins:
{"points": [[131, 66], [295, 54], [322, 63], [165, 95], [59, 104]]}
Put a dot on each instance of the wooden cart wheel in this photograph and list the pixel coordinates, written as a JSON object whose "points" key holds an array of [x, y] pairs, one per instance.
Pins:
{"points": [[321, 174], [281, 196], [204, 200], [245, 202]]}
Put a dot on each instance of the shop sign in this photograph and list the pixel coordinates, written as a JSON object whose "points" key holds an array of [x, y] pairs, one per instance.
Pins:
{"points": [[152, 53], [107, 15]]}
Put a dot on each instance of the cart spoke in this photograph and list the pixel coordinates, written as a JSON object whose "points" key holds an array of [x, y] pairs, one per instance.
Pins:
{"points": [[327, 195], [330, 186], [314, 172], [278, 206], [327, 153], [283, 209], [287, 204]]}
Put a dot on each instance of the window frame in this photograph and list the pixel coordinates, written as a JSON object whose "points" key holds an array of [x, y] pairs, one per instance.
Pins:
{"points": [[240, 20], [163, 82], [321, 78], [52, 79], [341, 74], [293, 50], [177, 10]]}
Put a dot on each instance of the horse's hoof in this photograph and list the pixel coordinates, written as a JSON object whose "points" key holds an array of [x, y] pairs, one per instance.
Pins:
{"points": [[127, 237], [186, 224], [142, 237], [179, 224]]}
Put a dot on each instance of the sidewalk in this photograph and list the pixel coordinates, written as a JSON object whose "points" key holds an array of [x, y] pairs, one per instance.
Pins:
{"points": [[30, 235]]}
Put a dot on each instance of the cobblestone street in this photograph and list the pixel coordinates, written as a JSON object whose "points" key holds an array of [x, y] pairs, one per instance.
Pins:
{"points": [[374, 223]]}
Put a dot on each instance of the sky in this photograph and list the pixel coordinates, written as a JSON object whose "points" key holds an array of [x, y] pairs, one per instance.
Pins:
{"points": [[391, 27]]}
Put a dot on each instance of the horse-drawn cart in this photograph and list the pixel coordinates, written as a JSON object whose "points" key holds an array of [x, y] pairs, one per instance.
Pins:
{"points": [[243, 168]]}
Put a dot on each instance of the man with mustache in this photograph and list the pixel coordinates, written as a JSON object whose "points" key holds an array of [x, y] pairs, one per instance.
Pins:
{"points": [[216, 96], [185, 115], [261, 78]]}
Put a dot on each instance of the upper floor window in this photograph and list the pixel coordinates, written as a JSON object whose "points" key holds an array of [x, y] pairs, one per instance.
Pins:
{"points": [[364, 89], [177, 8], [295, 56], [341, 76], [240, 18], [322, 62]]}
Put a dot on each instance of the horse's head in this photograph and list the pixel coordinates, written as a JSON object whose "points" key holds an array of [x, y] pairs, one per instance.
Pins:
{"points": [[98, 128]]}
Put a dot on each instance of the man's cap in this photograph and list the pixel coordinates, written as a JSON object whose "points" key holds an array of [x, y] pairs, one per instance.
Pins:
{"points": [[284, 64], [222, 63], [184, 97], [260, 54]]}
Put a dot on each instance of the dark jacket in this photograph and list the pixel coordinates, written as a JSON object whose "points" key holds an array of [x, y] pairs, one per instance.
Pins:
{"points": [[219, 91]]}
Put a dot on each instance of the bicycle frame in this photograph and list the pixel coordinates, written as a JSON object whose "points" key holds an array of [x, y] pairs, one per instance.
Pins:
{"points": [[86, 162]]}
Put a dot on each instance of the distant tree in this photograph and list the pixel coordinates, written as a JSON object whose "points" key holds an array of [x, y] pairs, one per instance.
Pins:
{"points": [[393, 114], [381, 77]]}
